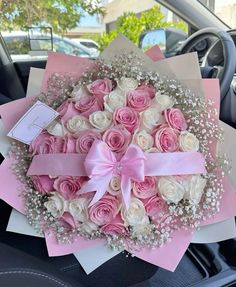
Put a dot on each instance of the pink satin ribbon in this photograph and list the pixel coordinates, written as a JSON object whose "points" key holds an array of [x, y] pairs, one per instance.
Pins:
{"points": [[101, 164]]}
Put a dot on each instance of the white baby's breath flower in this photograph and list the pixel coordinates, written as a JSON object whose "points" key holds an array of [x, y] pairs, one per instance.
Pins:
{"points": [[78, 209], [163, 102], [56, 129], [101, 120], [135, 214], [114, 185], [127, 84], [143, 140], [188, 141], [170, 189], [142, 229], [150, 118], [195, 189], [116, 99], [56, 205], [78, 123], [88, 227]]}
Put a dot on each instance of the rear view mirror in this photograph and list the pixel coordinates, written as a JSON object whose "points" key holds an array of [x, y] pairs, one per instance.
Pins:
{"points": [[168, 39]]}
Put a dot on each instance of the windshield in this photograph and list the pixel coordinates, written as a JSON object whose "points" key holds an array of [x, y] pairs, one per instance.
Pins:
{"points": [[223, 9]]}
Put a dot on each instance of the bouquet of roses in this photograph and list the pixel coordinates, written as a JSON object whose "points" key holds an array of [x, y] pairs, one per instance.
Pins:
{"points": [[128, 159]]}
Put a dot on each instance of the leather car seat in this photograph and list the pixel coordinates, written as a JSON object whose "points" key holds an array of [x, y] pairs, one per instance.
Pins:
{"points": [[20, 269]]}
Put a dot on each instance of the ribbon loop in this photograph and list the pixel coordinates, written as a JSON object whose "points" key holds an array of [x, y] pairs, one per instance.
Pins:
{"points": [[101, 164]]}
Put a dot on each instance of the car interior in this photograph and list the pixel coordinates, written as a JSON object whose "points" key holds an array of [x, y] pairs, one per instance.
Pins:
{"points": [[24, 259]]}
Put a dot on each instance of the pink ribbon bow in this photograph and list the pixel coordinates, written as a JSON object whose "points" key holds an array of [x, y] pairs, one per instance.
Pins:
{"points": [[101, 164]]}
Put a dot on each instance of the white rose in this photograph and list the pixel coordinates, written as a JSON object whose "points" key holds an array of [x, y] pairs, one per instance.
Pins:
{"points": [[163, 102], [135, 214], [188, 141], [56, 205], [150, 118], [196, 185], [170, 189], [143, 140], [114, 185], [116, 99], [78, 92], [56, 129], [127, 84], [78, 123], [78, 209], [153, 150], [101, 120], [88, 227]]}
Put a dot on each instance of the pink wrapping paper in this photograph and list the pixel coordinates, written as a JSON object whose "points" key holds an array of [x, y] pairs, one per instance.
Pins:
{"points": [[13, 111], [155, 54], [61, 63], [11, 188], [55, 249], [170, 254]]}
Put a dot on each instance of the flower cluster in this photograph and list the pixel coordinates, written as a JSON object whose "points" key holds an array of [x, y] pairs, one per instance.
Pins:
{"points": [[120, 113], [123, 107]]}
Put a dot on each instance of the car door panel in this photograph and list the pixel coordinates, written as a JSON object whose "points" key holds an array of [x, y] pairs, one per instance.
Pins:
{"points": [[23, 69]]}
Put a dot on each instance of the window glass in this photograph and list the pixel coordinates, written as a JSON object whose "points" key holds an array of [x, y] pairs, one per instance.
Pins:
{"points": [[17, 45], [223, 9], [89, 44]]}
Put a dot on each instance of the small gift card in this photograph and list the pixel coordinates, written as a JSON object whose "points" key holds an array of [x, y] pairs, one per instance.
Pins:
{"points": [[30, 125]]}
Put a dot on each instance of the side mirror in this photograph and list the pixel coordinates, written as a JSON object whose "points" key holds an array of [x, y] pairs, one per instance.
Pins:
{"points": [[168, 39]]}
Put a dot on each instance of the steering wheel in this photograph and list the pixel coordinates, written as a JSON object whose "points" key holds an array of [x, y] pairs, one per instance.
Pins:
{"points": [[224, 73]]}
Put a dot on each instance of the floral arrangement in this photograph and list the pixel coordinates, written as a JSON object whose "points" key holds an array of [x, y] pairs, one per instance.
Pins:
{"points": [[130, 157]]}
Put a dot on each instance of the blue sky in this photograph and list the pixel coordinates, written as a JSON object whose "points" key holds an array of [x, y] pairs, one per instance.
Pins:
{"points": [[90, 21]]}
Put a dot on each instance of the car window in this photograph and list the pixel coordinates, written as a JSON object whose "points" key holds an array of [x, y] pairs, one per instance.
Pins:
{"points": [[40, 44], [17, 45], [67, 48], [89, 44], [128, 19]]}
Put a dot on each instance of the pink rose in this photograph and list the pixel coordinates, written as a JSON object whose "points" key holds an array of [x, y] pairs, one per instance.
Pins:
{"points": [[69, 145], [86, 139], [42, 183], [87, 105], [117, 138], [67, 110], [149, 89], [105, 210], [65, 144], [128, 117], [166, 139], [68, 186], [100, 88], [115, 227], [139, 100], [42, 144], [146, 188], [154, 206], [175, 119]]}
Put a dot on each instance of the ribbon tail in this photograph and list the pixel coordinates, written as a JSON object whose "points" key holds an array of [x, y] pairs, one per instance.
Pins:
{"points": [[99, 185], [126, 190]]}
